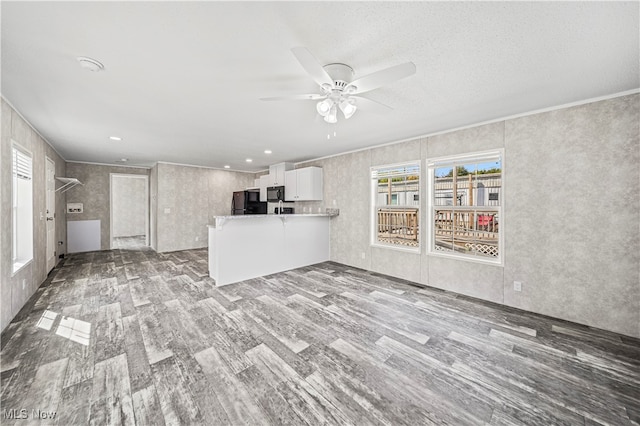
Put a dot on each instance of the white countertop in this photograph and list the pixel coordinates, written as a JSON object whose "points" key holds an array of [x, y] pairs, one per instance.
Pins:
{"points": [[258, 216]]}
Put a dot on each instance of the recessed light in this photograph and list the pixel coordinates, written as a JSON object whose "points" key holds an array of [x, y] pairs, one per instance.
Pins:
{"points": [[227, 166], [90, 64], [248, 160], [267, 151], [115, 138]]}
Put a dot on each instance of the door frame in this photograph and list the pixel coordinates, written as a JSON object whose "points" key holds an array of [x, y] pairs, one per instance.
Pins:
{"points": [[146, 204]]}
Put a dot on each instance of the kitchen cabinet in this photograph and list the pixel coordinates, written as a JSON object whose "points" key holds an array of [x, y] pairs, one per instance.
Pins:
{"points": [[264, 182], [303, 184], [276, 173]]}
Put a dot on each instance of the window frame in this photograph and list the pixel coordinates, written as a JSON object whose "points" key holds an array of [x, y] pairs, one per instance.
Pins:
{"points": [[374, 205], [431, 164], [17, 264]]}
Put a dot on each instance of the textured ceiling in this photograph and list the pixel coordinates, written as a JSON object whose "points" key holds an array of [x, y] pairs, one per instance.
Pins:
{"points": [[182, 80]]}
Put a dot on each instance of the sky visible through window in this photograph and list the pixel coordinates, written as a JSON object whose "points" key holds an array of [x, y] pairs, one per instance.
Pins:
{"points": [[471, 167]]}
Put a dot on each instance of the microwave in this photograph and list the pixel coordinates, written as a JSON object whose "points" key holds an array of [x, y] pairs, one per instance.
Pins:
{"points": [[275, 194]]}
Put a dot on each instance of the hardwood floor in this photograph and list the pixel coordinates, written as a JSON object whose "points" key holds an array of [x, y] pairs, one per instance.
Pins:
{"points": [[135, 337]]}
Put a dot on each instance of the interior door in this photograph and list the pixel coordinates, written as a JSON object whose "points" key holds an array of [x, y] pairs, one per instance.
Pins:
{"points": [[51, 213]]}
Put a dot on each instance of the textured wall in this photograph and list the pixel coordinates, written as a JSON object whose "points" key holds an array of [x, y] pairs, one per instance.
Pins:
{"points": [[12, 294], [571, 214], [572, 232], [129, 207], [94, 194], [188, 198]]}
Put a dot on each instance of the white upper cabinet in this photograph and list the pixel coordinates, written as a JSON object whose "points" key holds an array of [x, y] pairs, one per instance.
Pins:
{"points": [[303, 184], [264, 182], [276, 173]]}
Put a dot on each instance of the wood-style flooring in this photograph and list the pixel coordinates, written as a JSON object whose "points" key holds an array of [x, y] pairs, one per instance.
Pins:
{"points": [[135, 337], [136, 242]]}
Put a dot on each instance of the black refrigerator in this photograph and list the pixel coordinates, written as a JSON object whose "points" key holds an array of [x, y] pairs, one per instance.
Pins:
{"points": [[247, 202]]}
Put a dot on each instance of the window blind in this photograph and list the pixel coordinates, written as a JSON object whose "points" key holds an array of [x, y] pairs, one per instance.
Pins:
{"points": [[457, 161], [395, 171], [21, 164]]}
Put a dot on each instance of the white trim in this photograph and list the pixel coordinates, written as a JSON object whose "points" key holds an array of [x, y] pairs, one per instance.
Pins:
{"points": [[373, 195], [205, 167], [430, 165], [405, 249], [147, 203], [107, 164], [19, 147]]}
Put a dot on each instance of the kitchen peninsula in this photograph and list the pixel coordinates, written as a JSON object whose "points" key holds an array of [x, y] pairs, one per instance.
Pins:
{"points": [[251, 246]]}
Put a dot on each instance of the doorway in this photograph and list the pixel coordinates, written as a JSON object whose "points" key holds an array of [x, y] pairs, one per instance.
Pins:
{"points": [[50, 173], [129, 200]]}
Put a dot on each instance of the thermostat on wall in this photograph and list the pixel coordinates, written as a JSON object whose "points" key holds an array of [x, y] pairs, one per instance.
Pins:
{"points": [[74, 207]]}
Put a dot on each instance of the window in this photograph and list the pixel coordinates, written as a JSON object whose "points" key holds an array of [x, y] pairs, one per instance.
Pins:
{"points": [[395, 205], [466, 210], [22, 208]]}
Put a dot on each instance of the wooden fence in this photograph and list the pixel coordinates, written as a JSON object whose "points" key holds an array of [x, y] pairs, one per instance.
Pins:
{"points": [[398, 226]]}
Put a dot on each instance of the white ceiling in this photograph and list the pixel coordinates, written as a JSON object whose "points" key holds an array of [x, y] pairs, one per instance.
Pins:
{"points": [[182, 80]]}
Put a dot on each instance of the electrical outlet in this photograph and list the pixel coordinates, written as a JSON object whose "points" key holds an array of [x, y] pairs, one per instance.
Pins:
{"points": [[167, 210], [197, 238], [24, 283], [517, 286], [364, 255]]}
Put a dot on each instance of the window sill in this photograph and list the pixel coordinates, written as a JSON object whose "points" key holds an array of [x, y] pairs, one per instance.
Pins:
{"points": [[19, 265], [414, 250], [465, 258]]}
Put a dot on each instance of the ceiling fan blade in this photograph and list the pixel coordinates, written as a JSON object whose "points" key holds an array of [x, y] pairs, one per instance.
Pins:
{"points": [[369, 105], [311, 97], [383, 77], [312, 66]]}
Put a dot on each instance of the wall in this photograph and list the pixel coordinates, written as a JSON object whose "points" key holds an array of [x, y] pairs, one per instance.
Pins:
{"points": [[584, 265], [187, 200], [94, 194], [129, 207], [581, 263], [12, 294], [153, 213]]}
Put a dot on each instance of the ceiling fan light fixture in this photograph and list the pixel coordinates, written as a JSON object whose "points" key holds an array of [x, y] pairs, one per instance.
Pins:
{"points": [[332, 117], [324, 107], [348, 108]]}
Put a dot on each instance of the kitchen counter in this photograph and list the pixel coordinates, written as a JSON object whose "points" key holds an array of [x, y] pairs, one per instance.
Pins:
{"points": [[218, 220], [250, 246]]}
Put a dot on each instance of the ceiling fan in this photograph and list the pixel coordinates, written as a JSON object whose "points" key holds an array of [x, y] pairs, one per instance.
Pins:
{"points": [[338, 90]]}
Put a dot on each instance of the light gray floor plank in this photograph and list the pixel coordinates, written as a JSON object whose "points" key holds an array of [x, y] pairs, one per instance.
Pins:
{"points": [[110, 338], [75, 403], [240, 407], [139, 369], [146, 407], [45, 392], [111, 401], [156, 340]]}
